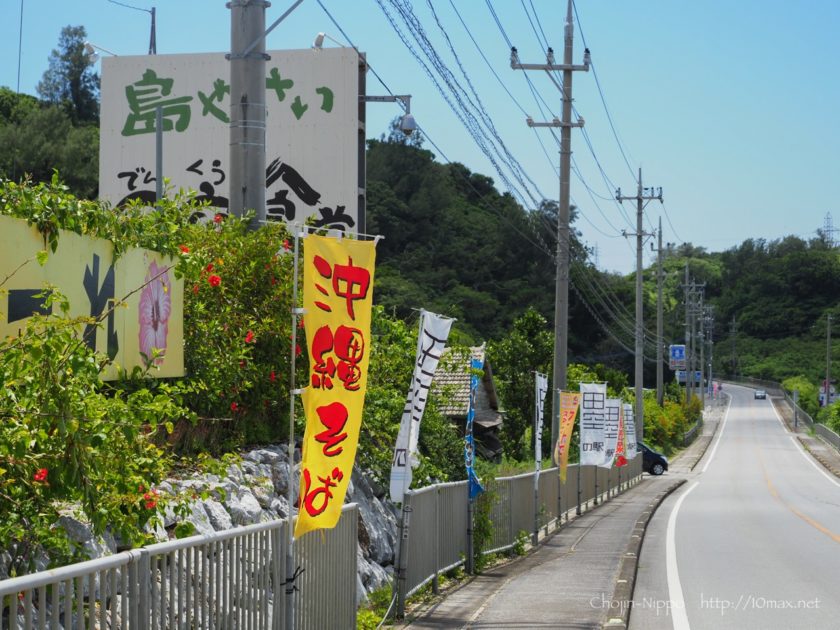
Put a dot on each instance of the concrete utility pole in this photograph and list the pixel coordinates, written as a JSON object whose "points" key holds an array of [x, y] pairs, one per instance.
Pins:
{"points": [[247, 108], [642, 197], [828, 360], [733, 331], [687, 292], [660, 349], [561, 289]]}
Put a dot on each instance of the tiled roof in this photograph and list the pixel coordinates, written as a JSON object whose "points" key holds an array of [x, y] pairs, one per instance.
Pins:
{"points": [[452, 380]]}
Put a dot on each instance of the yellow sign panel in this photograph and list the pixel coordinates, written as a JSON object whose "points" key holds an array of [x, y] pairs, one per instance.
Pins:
{"points": [[139, 301], [337, 298]]}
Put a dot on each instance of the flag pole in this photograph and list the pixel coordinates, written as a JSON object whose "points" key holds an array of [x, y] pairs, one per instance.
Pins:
{"points": [[291, 571]]}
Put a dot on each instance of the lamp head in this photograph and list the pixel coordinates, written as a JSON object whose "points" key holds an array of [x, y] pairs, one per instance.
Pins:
{"points": [[408, 125], [90, 52], [319, 40]]}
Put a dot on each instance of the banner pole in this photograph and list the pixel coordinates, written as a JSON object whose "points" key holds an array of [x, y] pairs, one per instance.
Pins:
{"points": [[400, 558], [537, 459], [555, 409], [291, 570], [579, 490]]}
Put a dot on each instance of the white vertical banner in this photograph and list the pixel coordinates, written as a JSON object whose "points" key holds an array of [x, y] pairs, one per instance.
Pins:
{"points": [[434, 330], [630, 430], [592, 418], [612, 417], [540, 389]]}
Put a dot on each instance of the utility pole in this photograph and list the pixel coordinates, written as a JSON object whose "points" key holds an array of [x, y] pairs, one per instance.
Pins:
{"points": [[247, 108], [687, 292], [660, 384], [733, 332], [828, 360], [642, 197], [561, 289]]}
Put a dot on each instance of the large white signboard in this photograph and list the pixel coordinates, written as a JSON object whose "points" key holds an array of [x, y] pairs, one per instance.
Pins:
{"points": [[312, 124]]}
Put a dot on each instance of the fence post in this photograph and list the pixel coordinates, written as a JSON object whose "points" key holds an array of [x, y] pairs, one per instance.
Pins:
{"points": [[435, 582], [402, 554], [470, 564], [579, 491], [143, 577]]}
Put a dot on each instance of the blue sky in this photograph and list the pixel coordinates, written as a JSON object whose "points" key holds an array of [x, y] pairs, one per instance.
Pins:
{"points": [[730, 107]]}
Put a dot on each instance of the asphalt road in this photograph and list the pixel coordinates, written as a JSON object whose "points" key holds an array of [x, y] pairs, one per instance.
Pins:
{"points": [[751, 541]]}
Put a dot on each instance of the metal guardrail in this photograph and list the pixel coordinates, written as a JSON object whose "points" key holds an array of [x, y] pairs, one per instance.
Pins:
{"points": [[229, 579]]}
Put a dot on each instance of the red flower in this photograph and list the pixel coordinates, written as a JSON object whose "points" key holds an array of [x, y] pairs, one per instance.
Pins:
{"points": [[140, 488], [300, 322], [286, 245], [297, 350], [272, 377], [234, 407], [249, 337], [214, 280], [41, 475], [273, 281], [195, 289], [184, 249], [209, 267], [242, 363], [218, 218], [151, 505]]}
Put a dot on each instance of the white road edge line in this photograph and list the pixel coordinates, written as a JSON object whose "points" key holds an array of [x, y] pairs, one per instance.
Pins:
{"points": [[807, 457], [679, 615], [719, 434]]}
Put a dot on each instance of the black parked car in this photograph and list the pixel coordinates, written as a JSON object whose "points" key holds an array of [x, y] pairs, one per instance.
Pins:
{"points": [[652, 462]]}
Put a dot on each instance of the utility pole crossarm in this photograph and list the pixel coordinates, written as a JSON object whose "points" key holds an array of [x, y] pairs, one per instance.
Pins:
{"points": [[554, 123]]}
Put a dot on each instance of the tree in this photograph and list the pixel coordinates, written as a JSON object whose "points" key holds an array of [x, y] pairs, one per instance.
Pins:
{"points": [[70, 80]]}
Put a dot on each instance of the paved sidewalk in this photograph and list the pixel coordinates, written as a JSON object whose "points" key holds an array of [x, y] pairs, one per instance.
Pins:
{"points": [[567, 582], [688, 458]]}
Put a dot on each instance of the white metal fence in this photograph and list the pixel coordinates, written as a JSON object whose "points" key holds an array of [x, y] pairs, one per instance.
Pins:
{"points": [[230, 579], [236, 579], [436, 536]]}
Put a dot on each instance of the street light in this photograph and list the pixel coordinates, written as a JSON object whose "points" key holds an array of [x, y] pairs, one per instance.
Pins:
{"points": [[318, 44], [92, 55]]}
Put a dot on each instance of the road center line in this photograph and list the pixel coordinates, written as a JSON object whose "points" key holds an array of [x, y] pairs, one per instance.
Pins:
{"points": [[679, 615], [775, 494]]}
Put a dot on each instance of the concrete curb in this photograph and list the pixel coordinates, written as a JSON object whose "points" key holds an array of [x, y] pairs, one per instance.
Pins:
{"points": [[829, 467], [622, 597]]}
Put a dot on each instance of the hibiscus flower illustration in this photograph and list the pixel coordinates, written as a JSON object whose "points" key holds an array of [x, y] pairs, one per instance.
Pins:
{"points": [[155, 309]]}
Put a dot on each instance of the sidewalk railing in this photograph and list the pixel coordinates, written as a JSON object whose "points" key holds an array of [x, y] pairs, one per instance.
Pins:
{"points": [[436, 538], [237, 578], [228, 579]]}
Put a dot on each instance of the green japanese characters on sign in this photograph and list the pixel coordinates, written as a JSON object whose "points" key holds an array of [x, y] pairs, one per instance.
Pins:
{"points": [[152, 92]]}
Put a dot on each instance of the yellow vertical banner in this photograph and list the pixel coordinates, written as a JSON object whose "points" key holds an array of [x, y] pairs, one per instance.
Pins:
{"points": [[337, 298], [569, 403]]}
